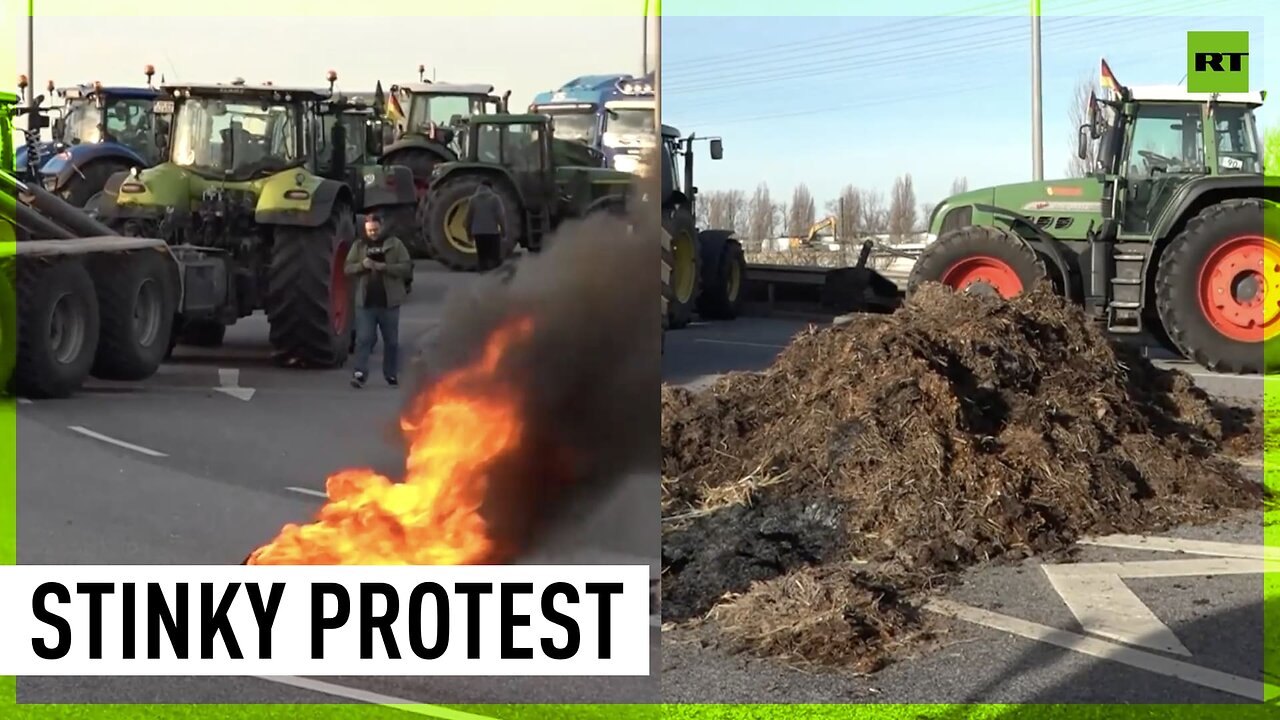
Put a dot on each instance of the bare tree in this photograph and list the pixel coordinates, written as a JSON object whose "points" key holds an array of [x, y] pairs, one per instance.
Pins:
{"points": [[801, 216], [781, 212], [875, 217], [847, 210], [760, 214], [725, 209], [959, 185], [902, 207], [1078, 114], [702, 209], [926, 212]]}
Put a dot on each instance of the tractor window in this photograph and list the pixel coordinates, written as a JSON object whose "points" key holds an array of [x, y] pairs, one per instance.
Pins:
{"points": [[1237, 138], [1166, 138], [522, 148], [629, 122], [489, 144], [129, 121], [236, 140], [83, 123], [442, 109], [580, 126]]}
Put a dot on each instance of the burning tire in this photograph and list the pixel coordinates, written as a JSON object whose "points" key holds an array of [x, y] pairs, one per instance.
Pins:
{"points": [[984, 260], [445, 222], [136, 305], [686, 268], [309, 300], [724, 270], [1216, 288], [58, 335]]}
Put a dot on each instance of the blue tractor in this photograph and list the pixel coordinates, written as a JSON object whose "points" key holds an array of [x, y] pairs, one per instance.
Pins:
{"points": [[611, 113], [98, 131]]}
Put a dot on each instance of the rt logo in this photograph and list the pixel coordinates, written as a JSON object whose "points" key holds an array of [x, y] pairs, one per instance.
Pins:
{"points": [[1217, 62]]}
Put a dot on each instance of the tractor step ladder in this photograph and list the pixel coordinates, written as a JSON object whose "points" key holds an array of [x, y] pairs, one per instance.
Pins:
{"points": [[1124, 309]]}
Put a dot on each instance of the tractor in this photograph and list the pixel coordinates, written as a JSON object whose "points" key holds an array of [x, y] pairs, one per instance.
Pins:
{"points": [[101, 130], [705, 268], [259, 177], [542, 181], [1166, 237], [428, 120]]}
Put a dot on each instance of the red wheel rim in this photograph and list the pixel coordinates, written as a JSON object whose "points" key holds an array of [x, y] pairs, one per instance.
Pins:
{"points": [[985, 273], [340, 291], [1238, 288]]}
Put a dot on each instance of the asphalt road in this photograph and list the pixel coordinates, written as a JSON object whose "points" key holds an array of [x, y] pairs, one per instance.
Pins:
{"points": [[1016, 640], [176, 471]]}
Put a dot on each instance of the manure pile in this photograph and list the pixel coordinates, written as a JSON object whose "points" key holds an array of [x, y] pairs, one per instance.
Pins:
{"points": [[807, 509]]}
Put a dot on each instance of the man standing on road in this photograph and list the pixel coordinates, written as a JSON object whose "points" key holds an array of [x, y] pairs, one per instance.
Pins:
{"points": [[485, 224], [381, 265]]}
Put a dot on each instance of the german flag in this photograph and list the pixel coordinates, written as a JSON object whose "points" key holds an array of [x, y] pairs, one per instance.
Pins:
{"points": [[1109, 81], [394, 112]]}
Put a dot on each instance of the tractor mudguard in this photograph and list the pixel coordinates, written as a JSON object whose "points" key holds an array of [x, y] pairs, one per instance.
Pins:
{"points": [[1189, 194], [74, 159], [147, 205], [496, 173], [419, 142], [387, 185], [275, 208], [1042, 242], [710, 245]]}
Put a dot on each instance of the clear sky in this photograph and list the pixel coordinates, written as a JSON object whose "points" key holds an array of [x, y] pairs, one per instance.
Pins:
{"points": [[508, 52], [835, 100]]}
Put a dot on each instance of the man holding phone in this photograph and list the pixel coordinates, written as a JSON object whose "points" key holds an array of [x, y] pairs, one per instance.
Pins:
{"points": [[381, 264]]}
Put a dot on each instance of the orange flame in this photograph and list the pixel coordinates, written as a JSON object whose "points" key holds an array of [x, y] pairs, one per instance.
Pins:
{"points": [[455, 431]]}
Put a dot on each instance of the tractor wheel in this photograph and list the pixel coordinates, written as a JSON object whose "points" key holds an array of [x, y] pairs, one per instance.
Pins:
{"points": [[136, 305], [80, 189], [724, 269], [451, 243], [686, 269], [1216, 289], [980, 260], [8, 321], [421, 164], [58, 331], [310, 305]]}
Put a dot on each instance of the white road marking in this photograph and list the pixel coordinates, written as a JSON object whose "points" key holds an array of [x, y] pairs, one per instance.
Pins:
{"points": [[229, 384], [373, 698], [1204, 677], [114, 441], [309, 491], [25, 401], [1180, 545], [742, 343], [1106, 607], [1097, 596]]}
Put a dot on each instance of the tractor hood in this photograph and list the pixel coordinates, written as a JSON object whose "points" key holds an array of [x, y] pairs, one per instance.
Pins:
{"points": [[165, 186], [47, 150], [1054, 198]]}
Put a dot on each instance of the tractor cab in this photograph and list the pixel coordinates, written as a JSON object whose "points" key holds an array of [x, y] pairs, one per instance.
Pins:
{"points": [[437, 111], [94, 114], [1150, 141]]}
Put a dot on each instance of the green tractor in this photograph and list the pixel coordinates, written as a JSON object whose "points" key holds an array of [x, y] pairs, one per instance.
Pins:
{"points": [[268, 179], [704, 270], [429, 122], [1166, 237], [542, 181]]}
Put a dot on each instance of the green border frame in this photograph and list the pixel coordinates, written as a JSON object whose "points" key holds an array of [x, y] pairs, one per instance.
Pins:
{"points": [[8, 452]]}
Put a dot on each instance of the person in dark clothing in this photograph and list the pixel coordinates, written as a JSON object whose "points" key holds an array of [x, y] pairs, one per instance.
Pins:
{"points": [[381, 264], [486, 223]]}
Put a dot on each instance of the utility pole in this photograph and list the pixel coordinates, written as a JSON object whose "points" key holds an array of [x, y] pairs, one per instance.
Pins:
{"points": [[1037, 111], [31, 50], [645, 43]]}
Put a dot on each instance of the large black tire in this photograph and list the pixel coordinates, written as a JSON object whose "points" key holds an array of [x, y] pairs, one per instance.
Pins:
{"points": [[8, 321], [686, 268], [445, 197], [421, 164], [137, 300], [987, 260], [1184, 287], [58, 331], [79, 190], [310, 303], [724, 270]]}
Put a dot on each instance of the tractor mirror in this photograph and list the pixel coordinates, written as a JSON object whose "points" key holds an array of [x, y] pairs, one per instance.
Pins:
{"points": [[1082, 147], [717, 149]]}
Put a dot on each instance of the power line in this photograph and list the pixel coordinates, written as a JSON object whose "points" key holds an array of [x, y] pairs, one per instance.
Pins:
{"points": [[890, 30], [785, 71], [949, 55]]}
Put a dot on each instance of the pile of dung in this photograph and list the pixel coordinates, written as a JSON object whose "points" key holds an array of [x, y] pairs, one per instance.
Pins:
{"points": [[805, 507]]}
